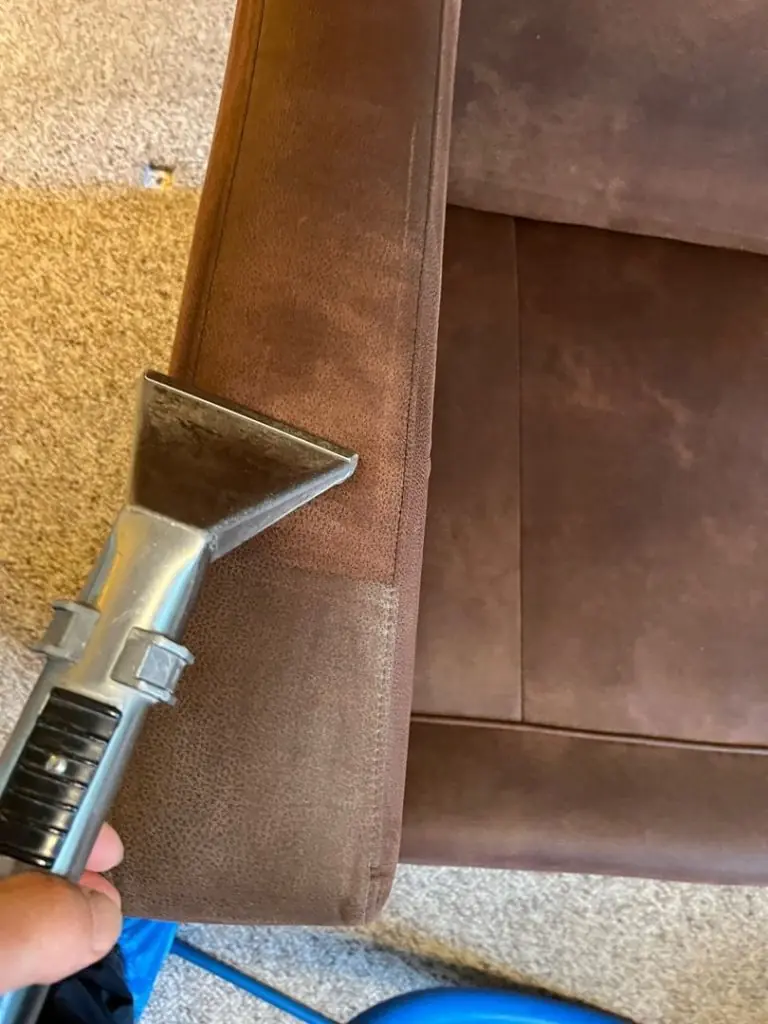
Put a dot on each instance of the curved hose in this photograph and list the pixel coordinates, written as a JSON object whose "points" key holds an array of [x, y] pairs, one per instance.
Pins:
{"points": [[433, 1006]]}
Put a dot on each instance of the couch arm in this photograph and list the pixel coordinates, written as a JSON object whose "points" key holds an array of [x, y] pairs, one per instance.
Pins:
{"points": [[273, 792]]}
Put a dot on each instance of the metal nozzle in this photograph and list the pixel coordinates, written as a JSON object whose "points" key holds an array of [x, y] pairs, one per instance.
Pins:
{"points": [[218, 467], [206, 477]]}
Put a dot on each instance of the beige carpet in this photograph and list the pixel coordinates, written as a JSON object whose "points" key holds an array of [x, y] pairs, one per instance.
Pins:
{"points": [[89, 286], [92, 89]]}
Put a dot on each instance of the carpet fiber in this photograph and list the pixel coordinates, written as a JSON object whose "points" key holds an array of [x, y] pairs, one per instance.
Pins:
{"points": [[90, 284]]}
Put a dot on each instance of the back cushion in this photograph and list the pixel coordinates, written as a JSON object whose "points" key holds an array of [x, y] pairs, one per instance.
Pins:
{"points": [[643, 117]]}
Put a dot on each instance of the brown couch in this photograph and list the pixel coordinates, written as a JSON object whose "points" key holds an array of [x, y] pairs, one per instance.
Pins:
{"points": [[588, 684]]}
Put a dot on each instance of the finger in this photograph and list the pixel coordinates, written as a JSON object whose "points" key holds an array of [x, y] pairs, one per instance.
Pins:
{"points": [[107, 851], [101, 884], [50, 929]]}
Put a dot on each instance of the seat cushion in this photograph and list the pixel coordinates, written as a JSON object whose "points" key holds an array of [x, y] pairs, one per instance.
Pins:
{"points": [[596, 550], [644, 375], [644, 117], [592, 652]]}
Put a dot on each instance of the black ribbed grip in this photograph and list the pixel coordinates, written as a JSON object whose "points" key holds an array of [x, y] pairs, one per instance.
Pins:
{"points": [[52, 776]]}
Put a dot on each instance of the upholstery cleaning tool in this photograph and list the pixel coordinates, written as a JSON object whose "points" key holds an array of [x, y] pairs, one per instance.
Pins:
{"points": [[207, 476]]}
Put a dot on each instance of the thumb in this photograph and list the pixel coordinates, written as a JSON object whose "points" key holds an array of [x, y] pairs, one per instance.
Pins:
{"points": [[50, 928]]}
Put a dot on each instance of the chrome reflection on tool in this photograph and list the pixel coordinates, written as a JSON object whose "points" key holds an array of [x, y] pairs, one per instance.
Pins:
{"points": [[206, 477]]}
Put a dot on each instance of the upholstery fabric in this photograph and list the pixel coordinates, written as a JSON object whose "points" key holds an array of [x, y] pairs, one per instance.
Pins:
{"points": [[590, 659], [516, 796], [639, 588], [597, 526], [468, 646], [312, 295], [645, 485], [641, 117]]}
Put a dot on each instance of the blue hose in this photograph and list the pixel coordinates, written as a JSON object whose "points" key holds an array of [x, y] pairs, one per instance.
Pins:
{"points": [[481, 1006], [433, 1006], [248, 984]]}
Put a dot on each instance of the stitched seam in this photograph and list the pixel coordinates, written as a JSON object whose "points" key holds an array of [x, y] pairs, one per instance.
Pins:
{"points": [[520, 484], [199, 341], [377, 789], [381, 719], [376, 826], [420, 288]]}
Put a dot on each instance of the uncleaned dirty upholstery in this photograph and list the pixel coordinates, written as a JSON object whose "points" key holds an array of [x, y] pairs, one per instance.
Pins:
{"points": [[559, 571]]}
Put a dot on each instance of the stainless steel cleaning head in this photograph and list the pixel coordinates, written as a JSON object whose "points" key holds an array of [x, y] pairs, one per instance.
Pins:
{"points": [[206, 477], [223, 469]]}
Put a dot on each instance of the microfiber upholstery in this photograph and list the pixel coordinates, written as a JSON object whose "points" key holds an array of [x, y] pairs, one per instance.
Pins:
{"points": [[592, 655], [273, 792], [641, 117], [561, 575]]}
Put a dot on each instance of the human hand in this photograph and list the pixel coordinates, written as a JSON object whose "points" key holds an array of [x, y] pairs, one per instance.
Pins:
{"points": [[50, 928]]}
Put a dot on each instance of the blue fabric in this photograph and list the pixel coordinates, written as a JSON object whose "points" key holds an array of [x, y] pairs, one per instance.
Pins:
{"points": [[145, 946]]}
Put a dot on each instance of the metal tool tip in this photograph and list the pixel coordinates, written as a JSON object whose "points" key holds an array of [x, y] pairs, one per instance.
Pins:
{"points": [[219, 467]]}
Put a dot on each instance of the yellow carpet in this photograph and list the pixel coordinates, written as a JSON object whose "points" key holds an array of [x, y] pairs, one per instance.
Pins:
{"points": [[89, 289]]}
